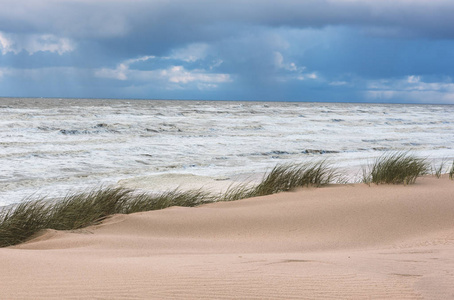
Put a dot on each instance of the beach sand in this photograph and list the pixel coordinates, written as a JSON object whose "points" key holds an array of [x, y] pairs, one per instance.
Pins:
{"points": [[337, 242]]}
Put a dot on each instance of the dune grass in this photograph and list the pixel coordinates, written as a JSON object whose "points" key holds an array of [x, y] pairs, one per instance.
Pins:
{"points": [[284, 178], [237, 192], [439, 170], [147, 202], [451, 172], [83, 209], [21, 222], [18, 223], [395, 168], [289, 177], [78, 210]]}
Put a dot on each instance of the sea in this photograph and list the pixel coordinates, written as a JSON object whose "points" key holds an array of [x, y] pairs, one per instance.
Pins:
{"points": [[52, 147]]}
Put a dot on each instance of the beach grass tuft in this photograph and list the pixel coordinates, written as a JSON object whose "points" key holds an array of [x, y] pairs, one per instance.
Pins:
{"points": [[147, 202], [289, 177], [74, 211], [395, 168], [237, 192], [20, 222], [451, 172], [438, 170], [79, 210], [286, 177]]}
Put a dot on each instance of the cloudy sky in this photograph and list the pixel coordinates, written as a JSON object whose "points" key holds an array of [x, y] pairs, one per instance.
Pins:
{"points": [[292, 50]]}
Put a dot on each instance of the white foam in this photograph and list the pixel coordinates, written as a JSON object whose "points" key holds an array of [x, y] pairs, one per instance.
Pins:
{"points": [[48, 147]]}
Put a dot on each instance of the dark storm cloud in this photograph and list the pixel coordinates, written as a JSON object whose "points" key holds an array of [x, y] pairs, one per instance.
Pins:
{"points": [[182, 20], [124, 29], [255, 49]]}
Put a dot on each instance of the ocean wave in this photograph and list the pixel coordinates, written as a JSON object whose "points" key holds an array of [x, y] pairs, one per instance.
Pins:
{"points": [[95, 141]]}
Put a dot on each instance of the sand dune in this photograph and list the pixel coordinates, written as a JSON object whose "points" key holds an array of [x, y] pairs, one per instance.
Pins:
{"points": [[349, 241]]}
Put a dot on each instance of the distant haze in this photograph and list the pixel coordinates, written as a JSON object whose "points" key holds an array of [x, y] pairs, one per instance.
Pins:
{"points": [[399, 51]]}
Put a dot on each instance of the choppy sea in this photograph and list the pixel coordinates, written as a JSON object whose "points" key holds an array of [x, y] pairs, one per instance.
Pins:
{"points": [[49, 147]]}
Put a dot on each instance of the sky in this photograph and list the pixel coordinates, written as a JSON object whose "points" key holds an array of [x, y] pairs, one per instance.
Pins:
{"points": [[392, 51]]}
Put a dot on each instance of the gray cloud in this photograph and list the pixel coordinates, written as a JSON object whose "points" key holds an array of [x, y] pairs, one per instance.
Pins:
{"points": [[153, 19], [259, 49], [124, 29]]}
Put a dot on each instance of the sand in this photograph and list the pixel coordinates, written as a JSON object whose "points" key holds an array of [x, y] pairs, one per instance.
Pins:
{"points": [[338, 242]]}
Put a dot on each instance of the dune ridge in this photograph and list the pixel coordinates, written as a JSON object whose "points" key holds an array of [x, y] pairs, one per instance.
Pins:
{"points": [[341, 241]]}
